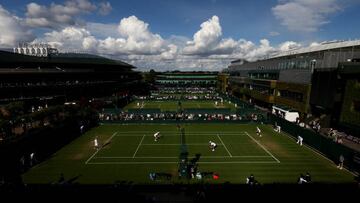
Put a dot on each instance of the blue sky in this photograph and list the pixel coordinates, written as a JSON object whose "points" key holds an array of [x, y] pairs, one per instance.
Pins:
{"points": [[178, 34]]}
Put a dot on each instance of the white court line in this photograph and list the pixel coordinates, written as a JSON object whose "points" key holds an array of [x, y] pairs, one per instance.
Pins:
{"points": [[108, 140], [171, 157], [134, 135], [138, 146], [179, 144], [176, 162], [277, 160], [175, 132], [224, 145]]}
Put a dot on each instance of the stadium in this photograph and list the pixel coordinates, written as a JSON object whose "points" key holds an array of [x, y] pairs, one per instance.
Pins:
{"points": [[82, 123]]}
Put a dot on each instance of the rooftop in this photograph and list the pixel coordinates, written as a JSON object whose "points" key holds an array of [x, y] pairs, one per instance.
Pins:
{"points": [[321, 47]]}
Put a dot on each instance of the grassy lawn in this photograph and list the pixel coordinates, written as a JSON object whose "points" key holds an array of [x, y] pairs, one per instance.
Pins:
{"points": [[130, 154]]}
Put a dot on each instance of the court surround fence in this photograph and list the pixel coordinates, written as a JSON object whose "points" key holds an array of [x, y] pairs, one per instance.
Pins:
{"points": [[325, 146]]}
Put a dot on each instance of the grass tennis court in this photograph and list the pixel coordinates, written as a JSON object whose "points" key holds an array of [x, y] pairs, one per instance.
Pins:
{"points": [[174, 105], [130, 154]]}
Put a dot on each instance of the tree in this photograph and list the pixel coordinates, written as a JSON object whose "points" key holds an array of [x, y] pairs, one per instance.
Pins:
{"points": [[150, 76]]}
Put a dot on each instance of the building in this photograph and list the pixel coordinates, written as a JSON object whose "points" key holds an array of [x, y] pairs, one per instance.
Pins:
{"points": [[63, 77], [313, 81], [222, 82]]}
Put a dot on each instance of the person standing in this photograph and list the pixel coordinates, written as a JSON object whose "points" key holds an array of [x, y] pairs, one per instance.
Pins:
{"points": [[212, 145], [300, 140], [61, 179], [32, 159], [278, 129], [258, 131], [156, 136], [341, 162], [301, 179], [308, 177], [96, 143], [250, 180]]}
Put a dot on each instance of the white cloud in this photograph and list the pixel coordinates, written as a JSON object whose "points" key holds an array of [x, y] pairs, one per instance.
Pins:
{"points": [[104, 8], [208, 42], [102, 30], [134, 38], [70, 39], [274, 33], [84, 5], [58, 16], [171, 53], [251, 52], [12, 30], [90, 43], [313, 44], [305, 15], [134, 43], [288, 45], [206, 39]]}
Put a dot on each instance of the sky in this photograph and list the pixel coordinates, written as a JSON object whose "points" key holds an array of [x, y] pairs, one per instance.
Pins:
{"points": [[183, 35]]}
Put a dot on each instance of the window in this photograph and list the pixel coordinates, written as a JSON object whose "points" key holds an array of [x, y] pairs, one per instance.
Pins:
{"points": [[291, 95], [312, 64]]}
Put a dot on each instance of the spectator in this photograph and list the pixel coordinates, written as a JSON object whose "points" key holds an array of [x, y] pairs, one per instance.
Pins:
{"points": [[152, 176], [82, 129], [215, 176], [277, 128], [331, 132], [61, 179], [339, 139], [198, 175], [341, 162], [32, 159], [308, 177], [251, 180], [192, 172], [300, 140], [301, 179]]}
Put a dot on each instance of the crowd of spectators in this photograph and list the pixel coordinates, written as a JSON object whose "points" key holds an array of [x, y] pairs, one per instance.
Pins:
{"points": [[188, 90], [194, 93], [124, 116], [176, 97]]}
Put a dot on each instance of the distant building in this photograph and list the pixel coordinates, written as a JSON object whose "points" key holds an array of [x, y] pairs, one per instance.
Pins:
{"points": [[64, 77], [222, 82], [318, 81]]}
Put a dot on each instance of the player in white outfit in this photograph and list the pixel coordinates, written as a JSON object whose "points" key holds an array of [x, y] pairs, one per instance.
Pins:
{"points": [[96, 143], [212, 145], [258, 131], [156, 136]]}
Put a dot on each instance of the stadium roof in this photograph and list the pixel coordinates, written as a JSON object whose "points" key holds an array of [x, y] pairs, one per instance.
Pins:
{"points": [[323, 46], [61, 58]]}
